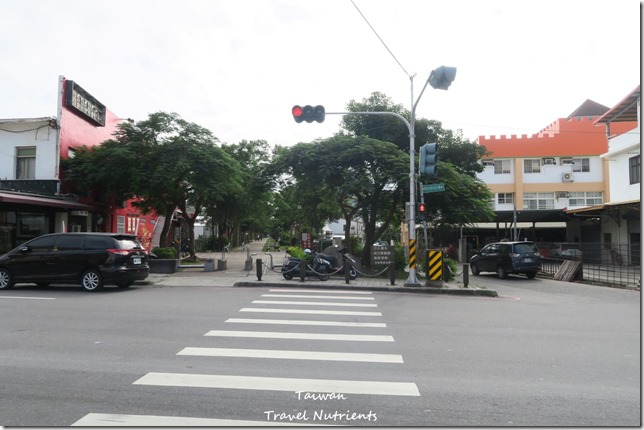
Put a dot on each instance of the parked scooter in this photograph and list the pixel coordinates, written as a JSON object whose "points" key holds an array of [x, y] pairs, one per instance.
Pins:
{"points": [[337, 266], [319, 267]]}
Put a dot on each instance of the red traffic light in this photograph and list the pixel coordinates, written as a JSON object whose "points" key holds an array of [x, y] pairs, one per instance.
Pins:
{"points": [[308, 113], [297, 113], [421, 208]]}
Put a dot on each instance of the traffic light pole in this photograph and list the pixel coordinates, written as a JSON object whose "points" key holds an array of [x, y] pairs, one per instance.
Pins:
{"points": [[440, 79], [412, 281]]}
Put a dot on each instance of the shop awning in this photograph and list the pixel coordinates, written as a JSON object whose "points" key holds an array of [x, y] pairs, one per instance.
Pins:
{"points": [[50, 202]]}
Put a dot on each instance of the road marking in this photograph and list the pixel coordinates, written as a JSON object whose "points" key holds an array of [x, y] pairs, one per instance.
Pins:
{"points": [[292, 355], [305, 322], [316, 312], [27, 298], [279, 384], [304, 296], [121, 420], [289, 290], [287, 302], [308, 336]]}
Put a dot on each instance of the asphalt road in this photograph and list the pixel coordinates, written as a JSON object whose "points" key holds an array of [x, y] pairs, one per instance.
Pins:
{"points": [[545, 353]]}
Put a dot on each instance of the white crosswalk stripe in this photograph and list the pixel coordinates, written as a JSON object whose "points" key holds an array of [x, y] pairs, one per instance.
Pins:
{"points": [[309, 336], [266, 383], [288, 290], [120, 420], [305, 322], [311, 312], [292, 355], [289, 302], [304, 296]]}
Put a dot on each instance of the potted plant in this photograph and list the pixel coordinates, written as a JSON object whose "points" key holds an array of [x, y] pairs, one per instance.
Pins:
{"points": [[163, 260]]}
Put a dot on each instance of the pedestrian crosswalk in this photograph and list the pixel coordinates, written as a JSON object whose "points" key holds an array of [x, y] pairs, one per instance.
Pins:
{"points": [[304, 325]]}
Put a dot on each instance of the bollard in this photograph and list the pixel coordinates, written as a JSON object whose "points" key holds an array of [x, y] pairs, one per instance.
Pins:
{"points": [[221, 264], [466, 274], [347, 271], [209, 265], [302, 270], [392, 273], [258, 264]]}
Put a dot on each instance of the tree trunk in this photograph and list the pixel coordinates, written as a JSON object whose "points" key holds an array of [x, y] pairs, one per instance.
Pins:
{"points": [[169, 211]]}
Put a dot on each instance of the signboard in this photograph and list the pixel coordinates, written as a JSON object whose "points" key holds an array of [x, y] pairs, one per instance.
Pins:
{"points": [[433, 188], [434, 265], [382, 255], [307, 241], [82, 102]]}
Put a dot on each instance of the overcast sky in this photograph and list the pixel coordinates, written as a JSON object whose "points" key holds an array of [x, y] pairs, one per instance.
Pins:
{"points": [[237, 67]]}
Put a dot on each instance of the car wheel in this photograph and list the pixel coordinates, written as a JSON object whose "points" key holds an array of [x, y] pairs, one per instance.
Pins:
{"points": [[531, 275], [124, 284], [501, 273], [6, 281], [92, 280], [475, 269]]}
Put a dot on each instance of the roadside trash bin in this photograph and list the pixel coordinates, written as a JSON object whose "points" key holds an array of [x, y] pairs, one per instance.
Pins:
{"points": [[221, 264], [209, 265]]}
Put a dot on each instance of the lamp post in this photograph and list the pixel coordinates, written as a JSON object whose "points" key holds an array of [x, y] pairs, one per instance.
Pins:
{"points": [[440, 79]]}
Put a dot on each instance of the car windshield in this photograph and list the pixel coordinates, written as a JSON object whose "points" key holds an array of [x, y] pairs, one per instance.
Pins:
{"points": [[523, 248]]}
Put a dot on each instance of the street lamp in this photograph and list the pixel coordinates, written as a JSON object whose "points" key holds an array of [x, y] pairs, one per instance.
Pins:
{"points": [[439, 79]]}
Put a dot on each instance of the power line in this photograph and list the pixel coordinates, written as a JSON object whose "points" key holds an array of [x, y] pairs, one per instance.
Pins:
{"points": [[379, 38]]}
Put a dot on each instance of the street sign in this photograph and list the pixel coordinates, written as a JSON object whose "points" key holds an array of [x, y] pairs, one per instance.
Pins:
{"points": [[433, 188]]}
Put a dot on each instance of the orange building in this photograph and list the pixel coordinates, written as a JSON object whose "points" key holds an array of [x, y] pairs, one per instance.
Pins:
{"points": [[536, 178]]}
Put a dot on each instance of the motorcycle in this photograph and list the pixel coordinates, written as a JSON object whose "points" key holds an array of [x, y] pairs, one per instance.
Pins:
{"points": [[319, 267], [338, 266]]}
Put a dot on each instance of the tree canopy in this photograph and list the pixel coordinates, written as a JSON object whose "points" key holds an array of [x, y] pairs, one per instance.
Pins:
{"points": [[166, 162]]}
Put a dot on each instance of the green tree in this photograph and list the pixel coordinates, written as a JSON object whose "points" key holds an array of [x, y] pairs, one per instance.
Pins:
{"points": [[248, 210], [168, 162], [359, 176]]}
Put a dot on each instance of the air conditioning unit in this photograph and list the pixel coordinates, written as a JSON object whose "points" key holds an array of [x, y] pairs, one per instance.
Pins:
{"points": [[487, 163], [566, 161], [567, 177], [549, 161]]}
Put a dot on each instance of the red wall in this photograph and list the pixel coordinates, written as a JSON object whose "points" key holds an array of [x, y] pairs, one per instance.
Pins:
{"points": [[75, 130]]}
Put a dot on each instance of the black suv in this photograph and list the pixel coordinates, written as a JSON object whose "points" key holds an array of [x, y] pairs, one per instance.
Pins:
{"points": [[507, 257], [91, 259]]}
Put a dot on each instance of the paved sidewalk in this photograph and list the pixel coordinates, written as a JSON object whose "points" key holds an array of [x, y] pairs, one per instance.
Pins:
{"points": [[237, 274]]}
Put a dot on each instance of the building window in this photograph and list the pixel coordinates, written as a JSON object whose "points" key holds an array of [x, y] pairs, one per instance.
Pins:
{"points": [[505, 198], [589, 198], [635, 166], [26, 163], [581, 165], [120, 224], [532, 166], [501, 166], [538, 201]]}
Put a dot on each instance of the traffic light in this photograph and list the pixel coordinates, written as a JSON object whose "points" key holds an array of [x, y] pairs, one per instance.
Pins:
{"points": [[428, 159], [421, 209], [308, 113], [442, 77]]}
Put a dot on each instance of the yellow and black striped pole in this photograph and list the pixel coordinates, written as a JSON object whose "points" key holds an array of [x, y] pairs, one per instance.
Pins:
{"points": [[434, 266], [412, 254]]}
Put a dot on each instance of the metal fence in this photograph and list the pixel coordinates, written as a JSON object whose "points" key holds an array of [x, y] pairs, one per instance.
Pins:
{"points": [[602, 264]]}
